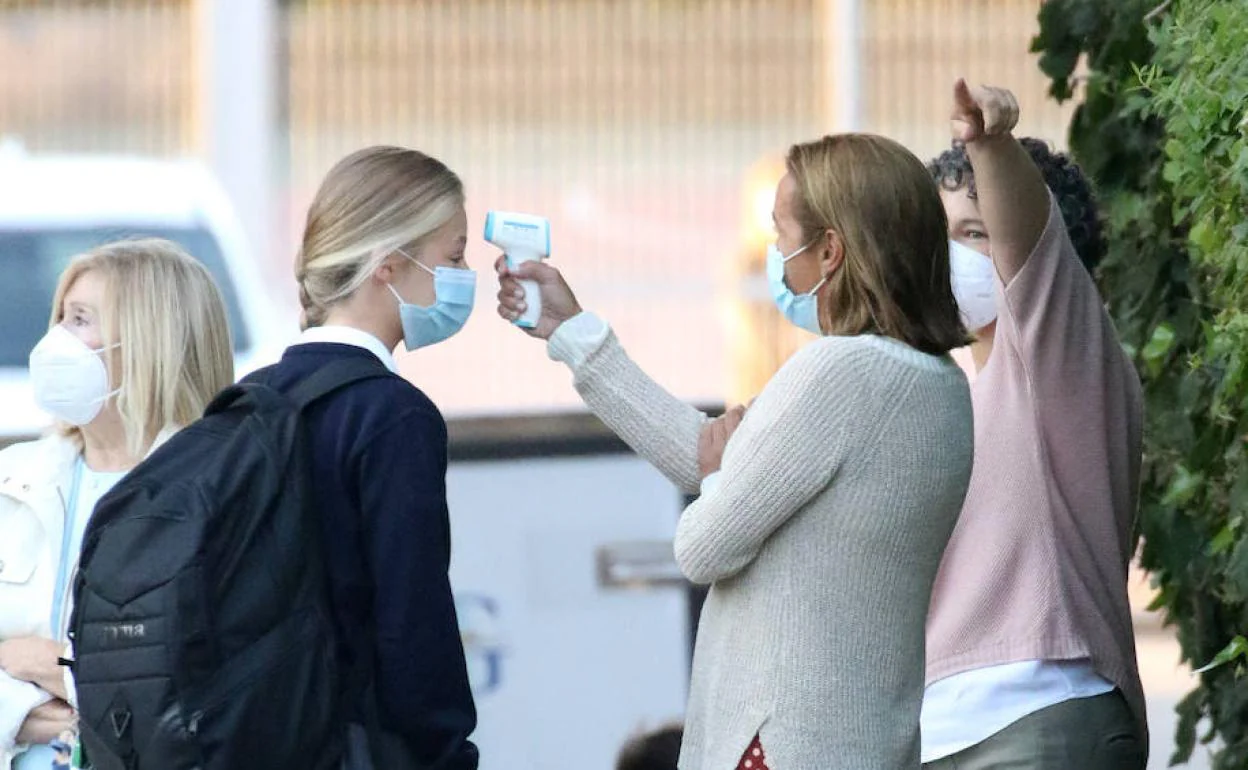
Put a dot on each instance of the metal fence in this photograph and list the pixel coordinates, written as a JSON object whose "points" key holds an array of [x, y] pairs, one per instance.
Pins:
{"points": [[98, 76]]}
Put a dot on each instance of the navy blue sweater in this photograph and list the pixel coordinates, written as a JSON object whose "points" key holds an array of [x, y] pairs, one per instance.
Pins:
{"points": [[379, 454]]}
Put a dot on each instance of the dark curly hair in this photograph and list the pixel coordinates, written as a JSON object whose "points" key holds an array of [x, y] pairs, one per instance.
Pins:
{"points": [[1073, 190]]}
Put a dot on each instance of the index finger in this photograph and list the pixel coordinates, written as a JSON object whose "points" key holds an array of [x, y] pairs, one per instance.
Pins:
{"points": [[962, 96]]}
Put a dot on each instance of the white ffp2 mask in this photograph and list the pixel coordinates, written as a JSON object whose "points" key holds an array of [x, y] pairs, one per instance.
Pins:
{"points": [[69, 378], [974, 286]]}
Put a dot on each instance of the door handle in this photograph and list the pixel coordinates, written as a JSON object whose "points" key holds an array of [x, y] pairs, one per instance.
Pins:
{"points": [[637, 564]]}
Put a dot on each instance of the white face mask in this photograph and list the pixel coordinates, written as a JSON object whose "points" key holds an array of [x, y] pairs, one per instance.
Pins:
{"points": [[70, 379], [974, 286]]}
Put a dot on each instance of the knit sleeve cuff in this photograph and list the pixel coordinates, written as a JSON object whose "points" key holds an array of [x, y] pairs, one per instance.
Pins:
{"points": [[711, 483], [576, 339]]}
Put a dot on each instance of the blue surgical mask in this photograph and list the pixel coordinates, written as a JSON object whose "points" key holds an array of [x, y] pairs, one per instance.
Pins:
{"points": [[454, 291], [801, 309]]}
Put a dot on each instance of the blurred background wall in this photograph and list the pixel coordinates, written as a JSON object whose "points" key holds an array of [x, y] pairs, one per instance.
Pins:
{"points": [[650, 131]]}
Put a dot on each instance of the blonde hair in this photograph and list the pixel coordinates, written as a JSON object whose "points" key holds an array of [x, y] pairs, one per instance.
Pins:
{"points": [[372, 202], [165, 311], [880, 200]]}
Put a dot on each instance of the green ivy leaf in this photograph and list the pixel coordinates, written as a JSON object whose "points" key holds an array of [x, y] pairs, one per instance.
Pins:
{"points": [[1205, 235], [1159, 344], [1183, 486], [1239, 494], [1234, 577], [1222, 541], [1233, 651], [1190, 710]]}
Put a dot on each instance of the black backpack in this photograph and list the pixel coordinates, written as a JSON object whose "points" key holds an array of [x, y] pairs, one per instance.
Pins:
{"points": [[201, 623]]}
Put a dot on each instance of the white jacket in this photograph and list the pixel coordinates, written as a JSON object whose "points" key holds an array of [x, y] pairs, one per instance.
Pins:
{"points": [[35, 479], [34, 485]]}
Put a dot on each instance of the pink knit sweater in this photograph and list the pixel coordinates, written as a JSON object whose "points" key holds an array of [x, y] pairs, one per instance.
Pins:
{"points": [[1037, 567]]}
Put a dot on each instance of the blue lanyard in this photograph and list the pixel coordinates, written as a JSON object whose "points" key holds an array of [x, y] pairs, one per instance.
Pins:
{"points": [[67, 536]]}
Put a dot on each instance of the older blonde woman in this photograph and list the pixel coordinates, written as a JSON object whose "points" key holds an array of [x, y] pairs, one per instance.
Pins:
{"points": [[137, 346], [822, 533]]}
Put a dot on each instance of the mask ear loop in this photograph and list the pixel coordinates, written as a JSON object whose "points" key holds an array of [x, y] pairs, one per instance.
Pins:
{"points": [[784, 259], [99, 352], [416, 262], [107, 396]]}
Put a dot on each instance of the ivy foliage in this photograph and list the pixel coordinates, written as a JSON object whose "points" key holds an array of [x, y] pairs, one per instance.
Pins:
{"points": [[1163, 132]]}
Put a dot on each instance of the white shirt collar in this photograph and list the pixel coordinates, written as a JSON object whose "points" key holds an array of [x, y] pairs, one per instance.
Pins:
{"points": [[349, 335]]}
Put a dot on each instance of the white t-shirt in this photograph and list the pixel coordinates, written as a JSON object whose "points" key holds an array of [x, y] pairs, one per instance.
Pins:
{"points": [[85, 491], [92, 486], [967, 709]]}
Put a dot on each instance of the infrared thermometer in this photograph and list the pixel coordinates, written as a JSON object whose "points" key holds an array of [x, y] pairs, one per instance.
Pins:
{"points": [[523, 238]]}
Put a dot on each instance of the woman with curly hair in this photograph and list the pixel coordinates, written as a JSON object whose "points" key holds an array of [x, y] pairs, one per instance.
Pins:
{"points": [[1030, 650]]}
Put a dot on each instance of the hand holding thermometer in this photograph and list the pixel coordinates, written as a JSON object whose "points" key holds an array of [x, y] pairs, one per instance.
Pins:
{"points": [[523, 238]]}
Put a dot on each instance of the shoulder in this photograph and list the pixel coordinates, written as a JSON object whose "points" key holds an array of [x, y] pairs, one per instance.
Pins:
{"points": [[46, 454], [829, 369], [864, 375], [866, 357], [391, 409], [827, 353], [19, 455], [385, 397], [394, 393]]}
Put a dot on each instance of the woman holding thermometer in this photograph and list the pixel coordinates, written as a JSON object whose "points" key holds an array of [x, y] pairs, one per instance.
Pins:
{"points": [[823, 517]]}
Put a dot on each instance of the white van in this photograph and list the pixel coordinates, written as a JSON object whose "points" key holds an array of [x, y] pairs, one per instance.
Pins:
{"points": [[54, 207]]}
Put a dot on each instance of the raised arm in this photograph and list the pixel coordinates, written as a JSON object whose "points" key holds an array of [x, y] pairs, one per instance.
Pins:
{"points": [[657, 425], [1012, 196]]}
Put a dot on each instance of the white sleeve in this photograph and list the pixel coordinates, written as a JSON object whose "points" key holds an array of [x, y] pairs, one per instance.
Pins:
{"points": [[576, 339], [17, 700], [657, 425], [712, 482], [785, 452]]}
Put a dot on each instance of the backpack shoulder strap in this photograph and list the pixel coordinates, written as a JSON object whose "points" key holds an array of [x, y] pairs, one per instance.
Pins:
{"points": [[335, 376]]}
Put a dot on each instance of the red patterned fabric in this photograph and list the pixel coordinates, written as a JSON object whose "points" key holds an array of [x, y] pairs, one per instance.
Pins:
{"points": [[753, 758]]}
